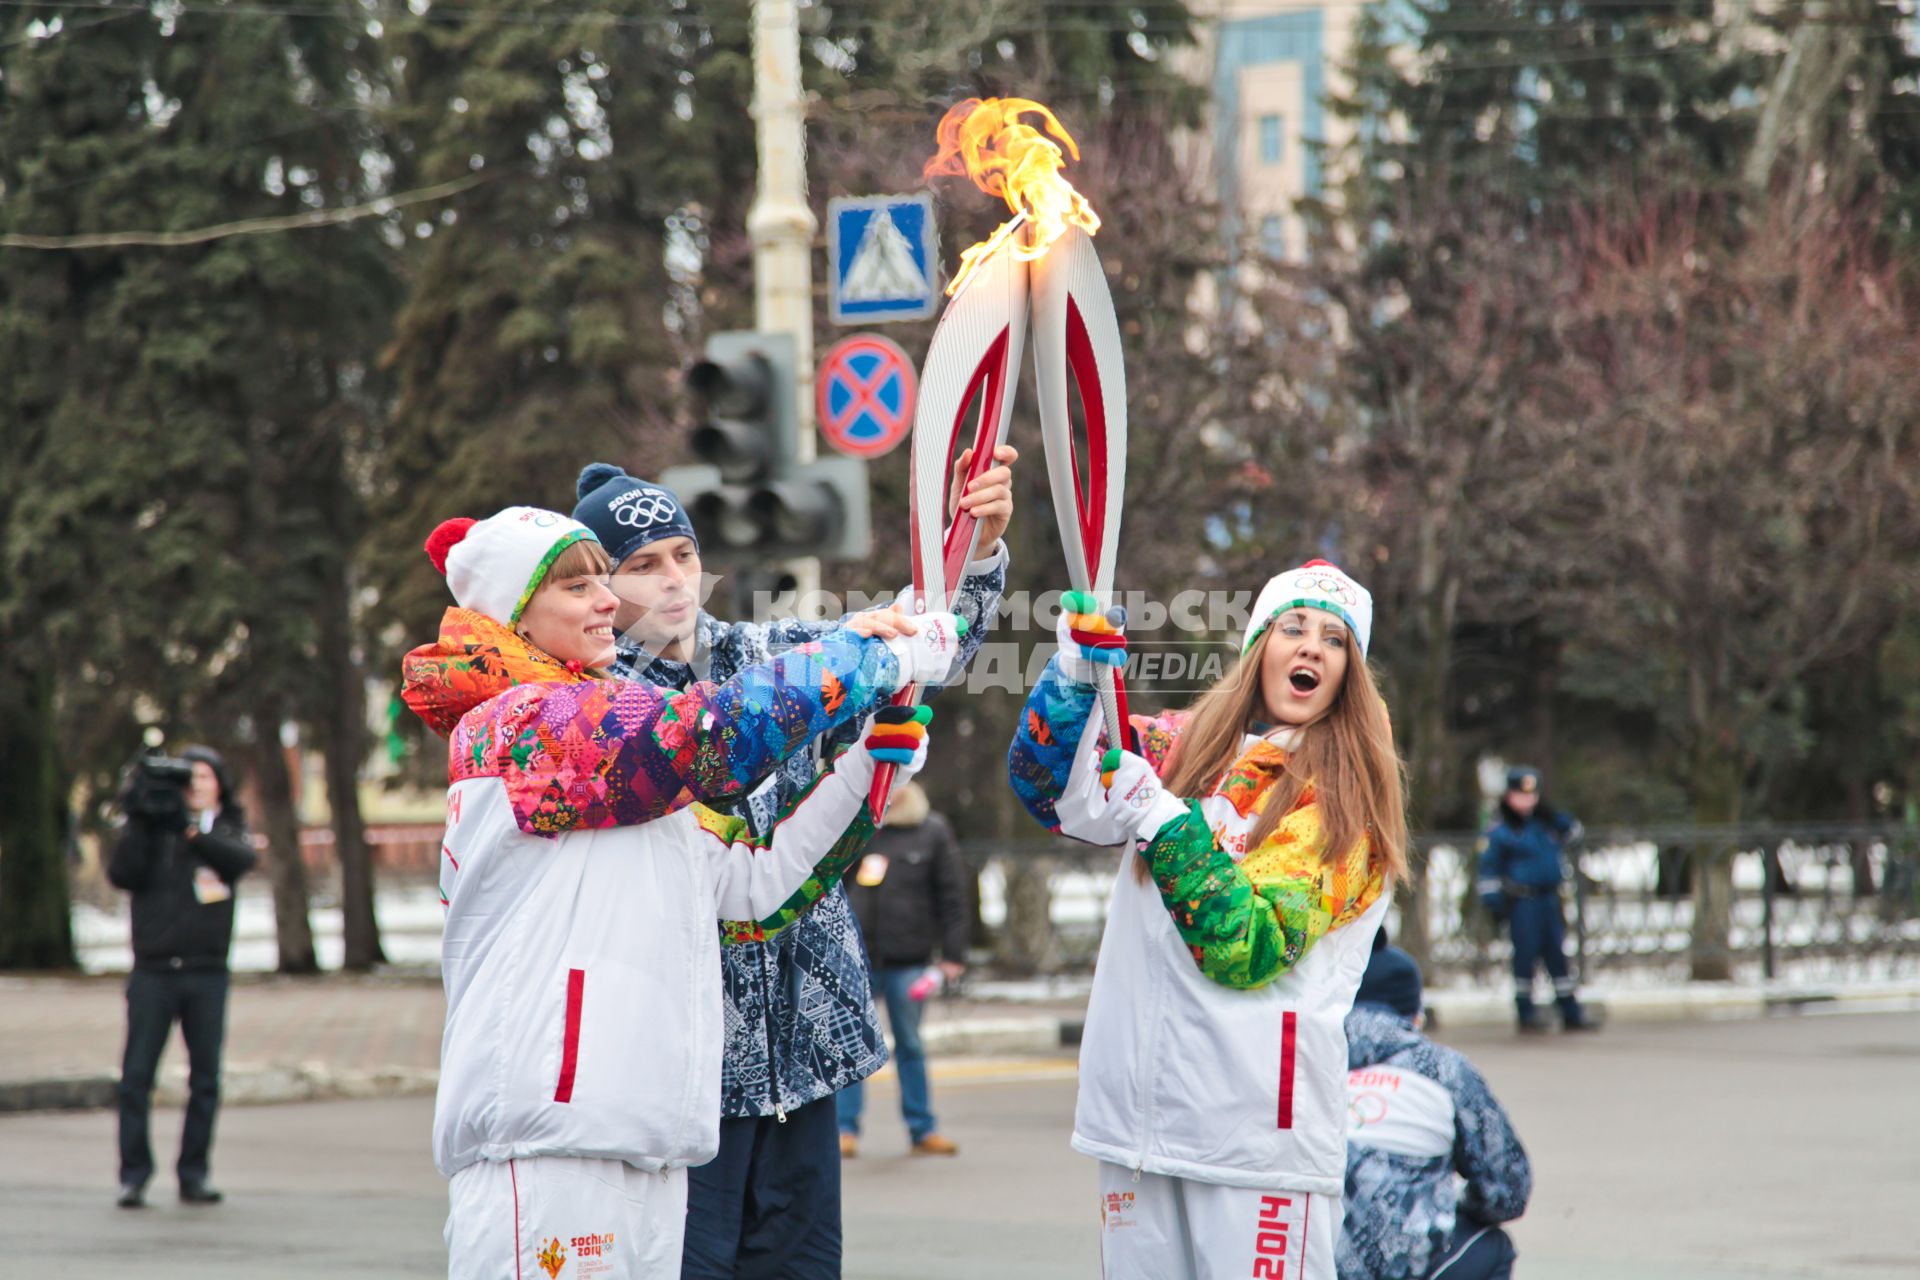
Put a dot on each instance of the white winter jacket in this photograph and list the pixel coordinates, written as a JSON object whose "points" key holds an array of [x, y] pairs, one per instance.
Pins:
{"points": [[1218, 1053], [582, 971], [1182, 1076]]}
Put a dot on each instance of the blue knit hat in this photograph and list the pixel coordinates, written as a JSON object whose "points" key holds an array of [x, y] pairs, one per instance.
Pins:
{"points": [[627, 513], [1392, 980]]}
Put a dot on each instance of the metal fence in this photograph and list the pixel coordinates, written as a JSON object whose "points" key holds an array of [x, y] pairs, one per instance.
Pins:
{"points": [[1811, 903]]}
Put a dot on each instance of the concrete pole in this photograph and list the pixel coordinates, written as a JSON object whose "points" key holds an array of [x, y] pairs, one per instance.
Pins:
{"points": [[781, 222]]}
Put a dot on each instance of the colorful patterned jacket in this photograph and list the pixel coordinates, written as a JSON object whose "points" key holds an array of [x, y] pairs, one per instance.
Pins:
{"points": [[580, 955], [1431, 1155], [1213, 1048], [801, 1023]]}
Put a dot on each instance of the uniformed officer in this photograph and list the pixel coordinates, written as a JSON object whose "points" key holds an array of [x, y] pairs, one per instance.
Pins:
{"points": [[1519, 880]]}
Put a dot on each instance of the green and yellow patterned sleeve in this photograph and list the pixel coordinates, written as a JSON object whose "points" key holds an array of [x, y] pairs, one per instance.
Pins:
{"points": [[1249, 922]]}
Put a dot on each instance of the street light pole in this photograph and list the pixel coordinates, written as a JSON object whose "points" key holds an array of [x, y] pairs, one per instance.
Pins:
{"points": [[781, 222]]}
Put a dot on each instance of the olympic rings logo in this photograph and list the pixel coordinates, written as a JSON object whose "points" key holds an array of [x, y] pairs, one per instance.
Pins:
{"points": [[645, 510], [1337, 588], [1366, 1108]]}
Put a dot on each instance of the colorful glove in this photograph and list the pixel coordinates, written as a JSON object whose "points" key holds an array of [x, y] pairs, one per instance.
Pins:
{"points": [[927, 655], [1089, 639], [1115, 799], [898, 736]]}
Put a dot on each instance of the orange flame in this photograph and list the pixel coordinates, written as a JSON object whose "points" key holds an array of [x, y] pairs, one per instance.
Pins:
{"points": [[985, 140]]}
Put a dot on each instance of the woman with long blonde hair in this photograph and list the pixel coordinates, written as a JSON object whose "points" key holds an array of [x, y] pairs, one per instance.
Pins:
{"points": [[1263, 827]]}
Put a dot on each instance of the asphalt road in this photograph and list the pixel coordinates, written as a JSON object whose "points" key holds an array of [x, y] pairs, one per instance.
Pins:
{"points": [[1788, 1147]]}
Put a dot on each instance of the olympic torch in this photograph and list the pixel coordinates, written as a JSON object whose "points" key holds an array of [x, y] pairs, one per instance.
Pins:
{"points": [[975, 352], [1040, 260], [1076, 339]]}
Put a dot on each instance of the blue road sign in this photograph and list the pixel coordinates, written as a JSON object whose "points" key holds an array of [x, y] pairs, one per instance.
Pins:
{"points": [[882, 259]]}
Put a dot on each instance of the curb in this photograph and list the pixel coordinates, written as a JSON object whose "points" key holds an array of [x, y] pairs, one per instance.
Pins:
{"points": [[251, 1084], [241, 1085], [1001, 1035], [1703, 1002], [59, 1093], [310, 1082]]}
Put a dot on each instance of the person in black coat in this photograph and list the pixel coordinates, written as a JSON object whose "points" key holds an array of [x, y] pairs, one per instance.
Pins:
{"points": [[184, 846], [909, 893]]}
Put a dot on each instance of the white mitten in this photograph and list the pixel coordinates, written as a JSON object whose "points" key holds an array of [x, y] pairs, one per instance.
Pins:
{"points": [[1115, 800], [928, 655]]}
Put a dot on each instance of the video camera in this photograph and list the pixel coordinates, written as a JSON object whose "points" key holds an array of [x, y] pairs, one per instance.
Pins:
{"points": [[157, 786]]}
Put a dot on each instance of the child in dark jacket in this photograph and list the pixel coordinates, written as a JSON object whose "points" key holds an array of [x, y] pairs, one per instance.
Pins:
{"points": [[1433, 1163]]}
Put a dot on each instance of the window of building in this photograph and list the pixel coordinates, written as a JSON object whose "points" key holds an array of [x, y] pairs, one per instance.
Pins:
{"points": [[1273, 236], [1270, 139]]}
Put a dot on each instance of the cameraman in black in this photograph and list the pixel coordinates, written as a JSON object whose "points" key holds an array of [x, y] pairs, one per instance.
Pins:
{"points": [[184, 846]]}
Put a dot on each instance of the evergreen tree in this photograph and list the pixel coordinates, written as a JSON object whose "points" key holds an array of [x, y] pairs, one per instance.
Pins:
{"points": [[1523, 103], [178, 411], [543, 326]]}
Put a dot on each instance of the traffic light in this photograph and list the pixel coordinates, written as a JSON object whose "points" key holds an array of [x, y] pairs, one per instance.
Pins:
{"points": [[749, 498]]}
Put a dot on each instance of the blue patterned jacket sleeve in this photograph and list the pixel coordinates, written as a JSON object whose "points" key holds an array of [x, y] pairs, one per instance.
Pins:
{"points": [[1045, 740], [1486, 1150], [977, 600], [735, 644], [768, 711], [775, 707]]}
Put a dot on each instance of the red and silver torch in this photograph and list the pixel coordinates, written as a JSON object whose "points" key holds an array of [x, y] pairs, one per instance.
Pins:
{"points": [[1042, 260], [1076, 340]]}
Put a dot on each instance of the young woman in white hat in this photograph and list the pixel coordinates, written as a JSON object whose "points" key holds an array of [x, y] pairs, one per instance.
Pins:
{"points": [[580, 1067], [1263, 827]]}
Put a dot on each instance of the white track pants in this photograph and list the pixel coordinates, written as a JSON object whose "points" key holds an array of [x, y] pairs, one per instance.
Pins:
{"points": [[1161, 1228], [554, 1216]]}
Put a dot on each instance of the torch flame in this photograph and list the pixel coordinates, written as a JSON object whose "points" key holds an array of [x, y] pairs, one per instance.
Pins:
{"points": [[985, 140]]}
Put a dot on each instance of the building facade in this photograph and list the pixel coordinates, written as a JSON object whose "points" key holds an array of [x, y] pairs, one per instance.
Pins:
{"points": [[1271, 65]]}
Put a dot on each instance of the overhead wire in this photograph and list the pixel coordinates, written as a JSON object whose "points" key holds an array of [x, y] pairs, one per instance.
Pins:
{"points": [[377, 208]]}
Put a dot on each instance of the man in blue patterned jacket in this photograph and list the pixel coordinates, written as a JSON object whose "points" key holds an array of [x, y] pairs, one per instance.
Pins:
{"points": [[1433, 1164], [800, 1019]]}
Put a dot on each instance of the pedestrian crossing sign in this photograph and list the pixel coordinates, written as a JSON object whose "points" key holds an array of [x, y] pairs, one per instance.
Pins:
{"points": [[882, 259]]}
